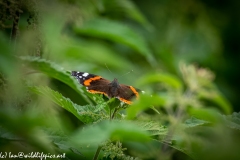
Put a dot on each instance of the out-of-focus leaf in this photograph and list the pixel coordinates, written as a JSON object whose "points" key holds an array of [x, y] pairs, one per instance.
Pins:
{"points": [[124, 8], [14, 125], [168, 79], [6, 60], [83, 113], [92, 52], [6, 135], [233, 121], [61, 141], [218, 99], [194, 122], [145, 101], [153, 128], [114, 130], [10, 118], [185, 151], [209, 115], [77, 50], [116, 32], [53, 70]]}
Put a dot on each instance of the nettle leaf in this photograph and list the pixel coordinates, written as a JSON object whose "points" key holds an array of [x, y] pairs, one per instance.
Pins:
{"points": [[194, 122], [117, 32], [209, 115], [153, 128], [115, 130], [84, 113], [53, 70]]}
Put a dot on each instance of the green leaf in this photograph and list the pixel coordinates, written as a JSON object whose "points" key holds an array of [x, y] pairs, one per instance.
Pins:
{"points": [[233, 121], [7, 136], [116, 32], [53, 70], [115, 130], [61, 141], [29, 133], [153, 128], [125, 8], [217, 99], [209, 115], [7, 63], [145, 101], [164, 78], [194, 122], [97, 53], [83, 113]]}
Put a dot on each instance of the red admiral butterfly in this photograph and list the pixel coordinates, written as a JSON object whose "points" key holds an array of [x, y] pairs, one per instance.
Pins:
{"points": [[97, 84]]}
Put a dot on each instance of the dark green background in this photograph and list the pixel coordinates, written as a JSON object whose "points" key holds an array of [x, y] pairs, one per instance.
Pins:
{"points": [[221, 19]]}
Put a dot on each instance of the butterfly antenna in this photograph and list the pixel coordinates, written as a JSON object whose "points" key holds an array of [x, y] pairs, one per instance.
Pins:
{"points": [[108, 69], [127, 73]]}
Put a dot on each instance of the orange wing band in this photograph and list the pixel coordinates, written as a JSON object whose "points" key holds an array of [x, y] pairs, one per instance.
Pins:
{"points": [[134, 91], [93, 91], [87, 82], [125, 101]]}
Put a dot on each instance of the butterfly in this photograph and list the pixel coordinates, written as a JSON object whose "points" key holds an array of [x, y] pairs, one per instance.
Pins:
{"points": [[97, 84]]}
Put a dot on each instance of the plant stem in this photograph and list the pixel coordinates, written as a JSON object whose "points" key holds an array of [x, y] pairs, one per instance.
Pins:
{"points": [[110, 114], [97, 153], [114, 112]]}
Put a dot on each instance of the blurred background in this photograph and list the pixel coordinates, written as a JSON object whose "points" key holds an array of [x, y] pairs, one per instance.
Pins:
{"points": [[184, 54], [199, 31], [193, 31]]}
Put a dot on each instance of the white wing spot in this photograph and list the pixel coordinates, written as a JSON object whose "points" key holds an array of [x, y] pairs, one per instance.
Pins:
{"points": [[85, 74]]}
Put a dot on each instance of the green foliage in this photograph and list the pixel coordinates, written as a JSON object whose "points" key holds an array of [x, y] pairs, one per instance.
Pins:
{"points": [[116, 32], [81, 112], [114, 130], [233, 120], [164, 78], [45, 109], [115, 151], [54, 71]]}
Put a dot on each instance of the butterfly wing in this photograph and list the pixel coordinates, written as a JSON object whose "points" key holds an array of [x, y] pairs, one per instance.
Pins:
{"points": [[93, 83], [127, 93]]}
